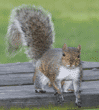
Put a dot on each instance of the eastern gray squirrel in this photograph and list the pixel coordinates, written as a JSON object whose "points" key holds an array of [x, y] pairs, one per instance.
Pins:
{"points": [[31, 27]]}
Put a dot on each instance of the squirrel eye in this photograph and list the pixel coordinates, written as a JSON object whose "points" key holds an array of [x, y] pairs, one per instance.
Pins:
{"points": [[63, 54], [78, 56]]}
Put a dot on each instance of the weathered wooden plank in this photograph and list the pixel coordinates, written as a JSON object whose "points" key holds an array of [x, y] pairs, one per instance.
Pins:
{"points": [[22, 73], [16, 68], [26, 78], [25, 95], [28, 67], [16, 79], [89, 65], [90, 75]]}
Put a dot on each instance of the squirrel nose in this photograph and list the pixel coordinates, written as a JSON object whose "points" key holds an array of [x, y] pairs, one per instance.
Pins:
{"points": [[70, 63]]}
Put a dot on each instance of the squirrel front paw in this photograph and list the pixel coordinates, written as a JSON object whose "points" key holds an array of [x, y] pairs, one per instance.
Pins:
{"points": [[78, 103], [60, 98]]}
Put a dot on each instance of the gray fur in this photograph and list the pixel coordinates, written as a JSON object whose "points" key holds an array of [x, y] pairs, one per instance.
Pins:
{"points": [[35, 28]]}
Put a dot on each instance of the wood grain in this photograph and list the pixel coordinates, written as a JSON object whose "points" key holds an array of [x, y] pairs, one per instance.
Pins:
{"points": [[28, 67], [16, 68], [26, 78], [25, 96]]}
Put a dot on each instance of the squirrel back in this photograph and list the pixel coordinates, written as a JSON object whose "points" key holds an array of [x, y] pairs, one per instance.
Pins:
{"points": [[32, 28]]}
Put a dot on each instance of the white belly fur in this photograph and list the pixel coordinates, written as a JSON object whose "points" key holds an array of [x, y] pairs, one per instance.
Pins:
{"points": [[68, 74]]}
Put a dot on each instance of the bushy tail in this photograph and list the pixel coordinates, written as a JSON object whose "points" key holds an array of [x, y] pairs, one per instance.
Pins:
{"points": [[13, 39], [30, 27]]}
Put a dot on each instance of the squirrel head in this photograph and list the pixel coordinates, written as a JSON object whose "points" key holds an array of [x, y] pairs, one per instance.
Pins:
{"points": [[71, 56]]}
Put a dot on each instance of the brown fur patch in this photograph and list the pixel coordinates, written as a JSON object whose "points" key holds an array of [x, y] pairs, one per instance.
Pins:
{"points": [[34, 77], [48, 71]]}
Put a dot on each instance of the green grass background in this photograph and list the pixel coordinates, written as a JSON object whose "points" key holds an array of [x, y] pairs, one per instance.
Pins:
{"points": [[75, 21]]}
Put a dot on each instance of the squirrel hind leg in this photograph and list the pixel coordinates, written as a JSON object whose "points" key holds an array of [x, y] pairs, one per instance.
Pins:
{"points": [[40, 82], [39, 89]]}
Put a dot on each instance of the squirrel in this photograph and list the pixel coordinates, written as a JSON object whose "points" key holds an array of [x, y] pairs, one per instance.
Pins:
{"points": [[31, 27]]}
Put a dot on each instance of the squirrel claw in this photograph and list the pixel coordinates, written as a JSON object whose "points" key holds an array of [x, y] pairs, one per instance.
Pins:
{"points": [[36, 91], [60, 98], [78, 104], [80, 91], [55, 93], [40, 91]]}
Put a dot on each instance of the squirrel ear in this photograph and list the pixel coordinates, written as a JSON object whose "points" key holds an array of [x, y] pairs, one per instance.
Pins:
{"points": [[64, 47], [79, 47]]}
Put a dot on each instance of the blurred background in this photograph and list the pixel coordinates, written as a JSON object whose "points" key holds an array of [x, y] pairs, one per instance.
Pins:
{"points": [[75, 22]]}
